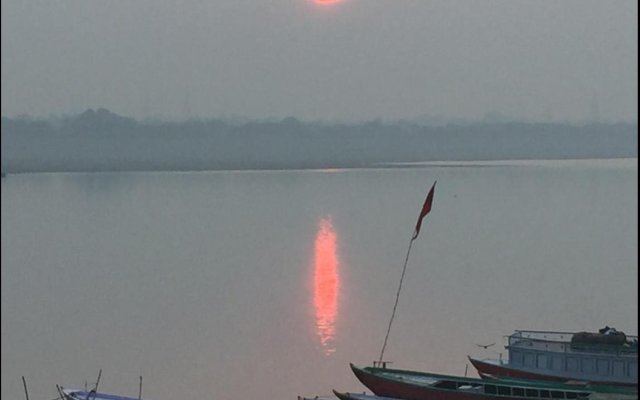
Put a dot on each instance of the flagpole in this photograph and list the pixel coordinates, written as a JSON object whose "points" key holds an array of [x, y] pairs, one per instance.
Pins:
{"points": [[404, 269], [426, 207]]}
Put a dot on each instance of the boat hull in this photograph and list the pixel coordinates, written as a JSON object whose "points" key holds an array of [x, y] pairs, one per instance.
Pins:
{"points": [[415, 385], [384, 387], [406, 391], [506, 371]]}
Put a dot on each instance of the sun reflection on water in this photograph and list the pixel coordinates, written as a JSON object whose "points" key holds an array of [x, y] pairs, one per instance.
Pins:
{"points": [[326, 284]]}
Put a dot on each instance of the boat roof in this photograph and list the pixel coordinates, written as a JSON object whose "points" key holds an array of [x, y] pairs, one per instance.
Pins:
{"points": [[561, 342], [554, 336], [558, 336]]}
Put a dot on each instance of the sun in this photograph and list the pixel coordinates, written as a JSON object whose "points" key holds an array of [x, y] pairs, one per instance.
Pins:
{"points": [[326, 2]]}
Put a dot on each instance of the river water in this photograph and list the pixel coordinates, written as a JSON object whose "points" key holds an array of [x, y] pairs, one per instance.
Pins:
{"points": [[266, 284]]}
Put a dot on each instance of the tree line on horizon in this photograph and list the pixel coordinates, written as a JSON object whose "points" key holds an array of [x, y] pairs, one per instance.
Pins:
{"points": [[103, 141]]}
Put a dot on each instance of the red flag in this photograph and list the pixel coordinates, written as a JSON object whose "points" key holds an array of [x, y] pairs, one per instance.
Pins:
{"points": [[425, 210]]}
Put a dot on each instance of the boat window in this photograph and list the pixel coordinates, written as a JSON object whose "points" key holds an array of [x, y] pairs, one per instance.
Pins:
{"points": [[603, 367], [504, 390], [618, 368], [572, 364], [518, 391], [555, 394], [572, 395], [515, 357], [545, 394], [588, 365], [633, 369], [542, 361], [556, 363], [531, 392], [490, 389], [529, 360]]}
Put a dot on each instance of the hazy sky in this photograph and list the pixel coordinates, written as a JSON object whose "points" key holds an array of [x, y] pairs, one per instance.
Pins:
{"points": [[354, 60]]}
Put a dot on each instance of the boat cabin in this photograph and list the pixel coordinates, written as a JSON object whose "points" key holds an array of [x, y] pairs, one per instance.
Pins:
{"points": [[558, 353]]}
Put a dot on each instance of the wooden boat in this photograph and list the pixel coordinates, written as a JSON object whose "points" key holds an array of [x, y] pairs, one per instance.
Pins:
{"points": [[79, 394], [315, 398], [346, 395], [413, 385], [559, 356], [596, 387], [360, 396]]}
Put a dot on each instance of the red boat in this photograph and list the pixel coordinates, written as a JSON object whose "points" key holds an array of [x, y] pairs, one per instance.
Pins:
{"points": [[414, 385], [601, 358]]}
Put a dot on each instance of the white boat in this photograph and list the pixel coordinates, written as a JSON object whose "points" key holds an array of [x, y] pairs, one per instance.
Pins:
{"points": [[608, 357]]}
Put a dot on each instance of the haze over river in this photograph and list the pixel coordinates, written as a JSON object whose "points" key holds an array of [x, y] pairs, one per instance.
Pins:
{"points": [[266, 284]]}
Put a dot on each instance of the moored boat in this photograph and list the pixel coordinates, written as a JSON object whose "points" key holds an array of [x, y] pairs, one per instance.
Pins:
{"points": [[595, 387], [79, 394], [602, 358], [414, 385], [360, 396]]}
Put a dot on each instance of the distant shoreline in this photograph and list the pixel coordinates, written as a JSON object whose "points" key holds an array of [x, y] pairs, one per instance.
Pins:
{"points": [[100, 141], [548, 163], [560, 162]]}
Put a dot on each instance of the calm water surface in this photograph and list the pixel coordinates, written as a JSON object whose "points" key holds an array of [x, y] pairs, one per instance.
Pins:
{"points": [[229, 285]]}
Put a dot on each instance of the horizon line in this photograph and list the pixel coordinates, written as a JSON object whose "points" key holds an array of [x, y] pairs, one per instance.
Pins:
{"points": [[426, 119]]}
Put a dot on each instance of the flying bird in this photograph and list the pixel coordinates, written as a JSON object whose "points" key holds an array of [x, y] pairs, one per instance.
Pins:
{"points": [[485, 345]]}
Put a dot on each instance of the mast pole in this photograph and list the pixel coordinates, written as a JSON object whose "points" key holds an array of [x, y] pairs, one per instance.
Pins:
{"points": [[393, 313], [26, 392], [426, 207]]}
